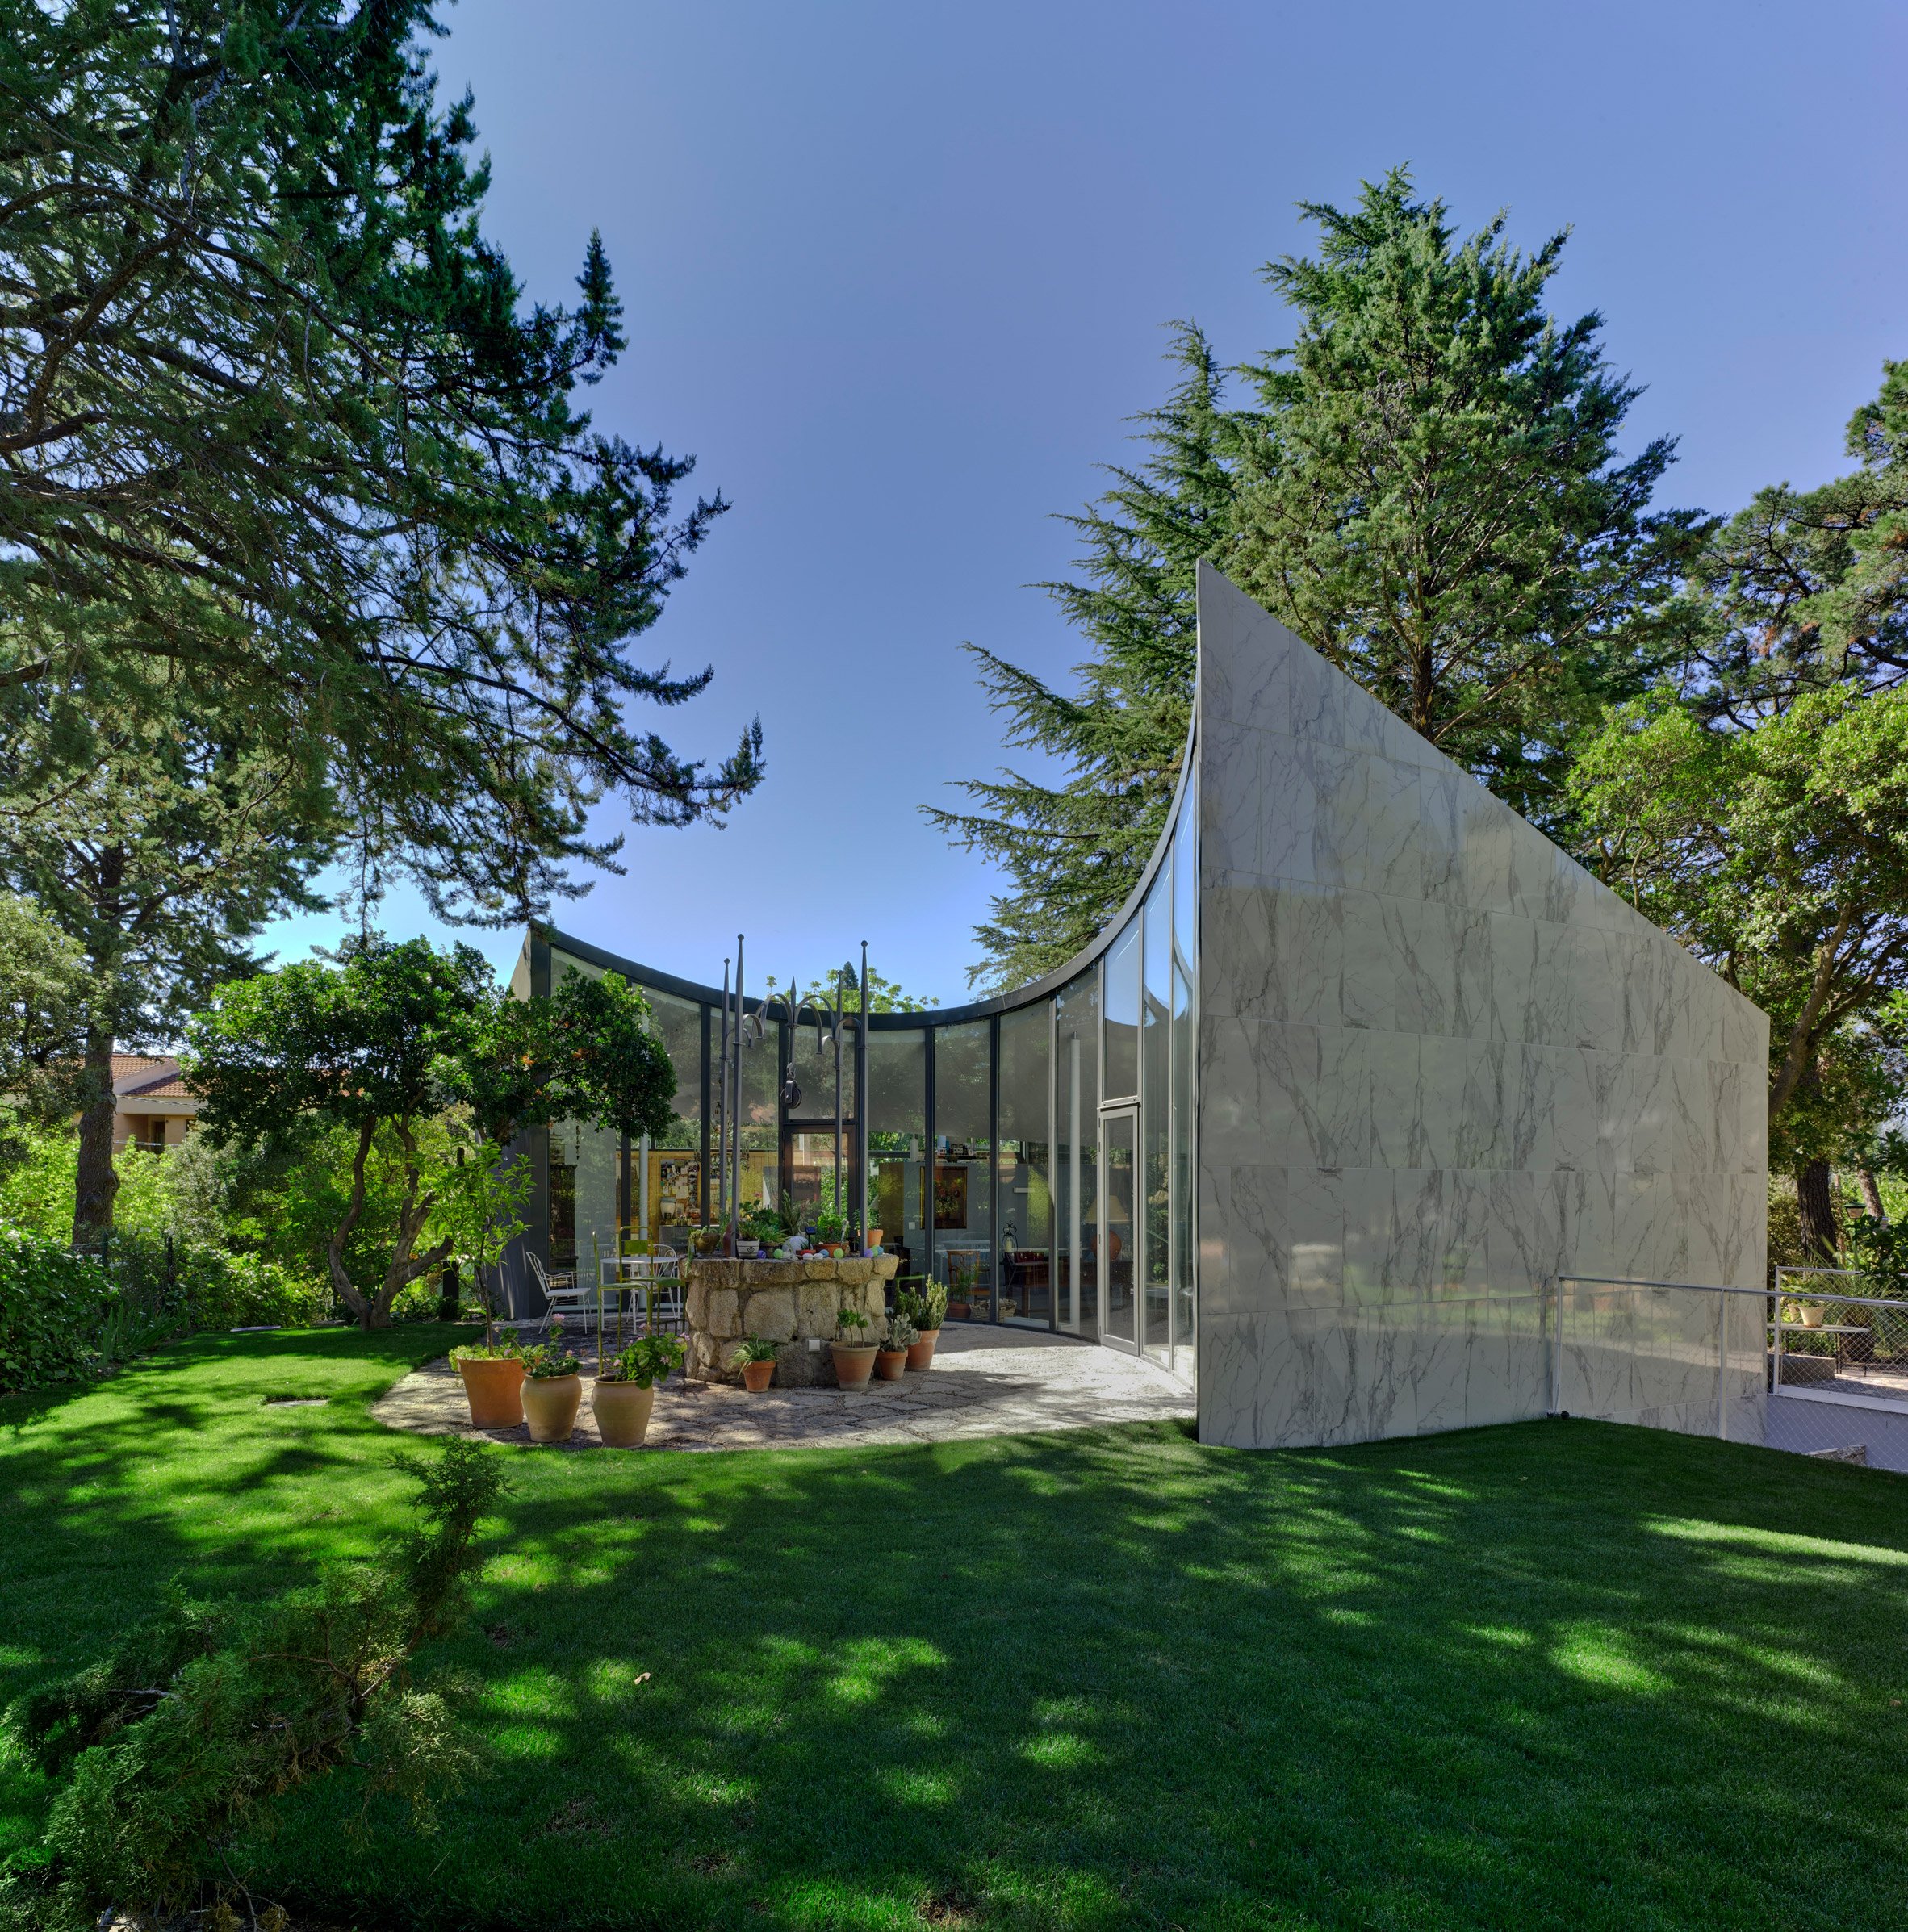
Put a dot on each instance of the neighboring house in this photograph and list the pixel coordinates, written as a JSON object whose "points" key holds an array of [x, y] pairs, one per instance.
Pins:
{"points": [[153, 1108]]}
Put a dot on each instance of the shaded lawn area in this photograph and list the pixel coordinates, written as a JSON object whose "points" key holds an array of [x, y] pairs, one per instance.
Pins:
{"points": [[1554, 1675]]}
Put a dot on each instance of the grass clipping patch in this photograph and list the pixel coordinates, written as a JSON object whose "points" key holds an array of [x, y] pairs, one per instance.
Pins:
{"points": [[180, 1737]]}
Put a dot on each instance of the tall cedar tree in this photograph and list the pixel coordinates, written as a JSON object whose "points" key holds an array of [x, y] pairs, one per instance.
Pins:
{"points": [[276, 420], [1075, 850], [1432, 499], [1427, 491]]}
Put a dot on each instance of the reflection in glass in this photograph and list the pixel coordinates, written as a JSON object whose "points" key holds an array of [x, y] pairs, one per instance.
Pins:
{"points": [[963, 1168], [897, 1142], [1023, 1167], [1121, 1067], [1183, 1350], [1119, 1131], [1155, 1115], [1076, 1152]]}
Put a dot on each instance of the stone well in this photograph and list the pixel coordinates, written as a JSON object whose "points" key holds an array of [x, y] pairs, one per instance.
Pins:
{"points": [[796, 1303]]}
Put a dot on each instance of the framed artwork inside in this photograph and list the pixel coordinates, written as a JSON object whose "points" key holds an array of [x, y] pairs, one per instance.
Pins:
{"points": [[950, 1197]]}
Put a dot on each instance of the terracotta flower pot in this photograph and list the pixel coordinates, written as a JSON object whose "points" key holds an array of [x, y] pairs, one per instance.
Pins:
{"points": [[622, 1412], [891, 1363], [854, 1363], [549, 1407], [920, 1353], [874, 1236], [959, 1310], [757, 1375], [494, 1388]]}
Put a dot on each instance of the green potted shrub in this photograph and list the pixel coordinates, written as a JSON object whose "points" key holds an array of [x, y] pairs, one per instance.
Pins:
{"points": [[552, 1388], [925, 1307], [492, 1373], [624, 1394], [755, 1356], [854, 1350], [891, 1358]]}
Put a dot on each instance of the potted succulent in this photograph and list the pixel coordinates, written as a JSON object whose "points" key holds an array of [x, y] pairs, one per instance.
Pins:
{"points": [[924, 1308], [854, 1350], [492, 1373], [706, 1241], [755, 1356], [891, 1358], [624, 1394], [552, 1388]]}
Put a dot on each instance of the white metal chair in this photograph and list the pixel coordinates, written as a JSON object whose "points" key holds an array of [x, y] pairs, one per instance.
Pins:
{"points": [[563, 1294]]}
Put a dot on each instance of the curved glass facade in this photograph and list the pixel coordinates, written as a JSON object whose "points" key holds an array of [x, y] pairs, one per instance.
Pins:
{"points": [[1034, 1153]]}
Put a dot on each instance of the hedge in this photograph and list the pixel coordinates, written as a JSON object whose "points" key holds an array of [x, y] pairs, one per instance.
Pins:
{"points": [[65, 1316]]}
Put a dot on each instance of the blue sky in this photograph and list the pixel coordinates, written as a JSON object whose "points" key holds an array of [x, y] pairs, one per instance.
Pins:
{"points": [[898, 274]]}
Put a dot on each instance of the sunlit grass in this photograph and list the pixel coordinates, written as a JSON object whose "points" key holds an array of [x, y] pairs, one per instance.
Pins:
{"points": [[1555, 1675]]}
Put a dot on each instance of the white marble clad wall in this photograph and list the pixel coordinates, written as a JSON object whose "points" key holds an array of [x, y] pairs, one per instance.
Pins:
{"points": [[1439, 1063]]}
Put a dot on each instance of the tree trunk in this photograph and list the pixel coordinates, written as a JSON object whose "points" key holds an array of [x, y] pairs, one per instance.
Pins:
{"points": [[1871, 1188], [342, 1285], [97, 1183], [1821, 1238]]}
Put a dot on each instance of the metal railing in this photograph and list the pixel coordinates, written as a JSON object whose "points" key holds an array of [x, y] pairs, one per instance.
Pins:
{"points": [[1815, 1370]]}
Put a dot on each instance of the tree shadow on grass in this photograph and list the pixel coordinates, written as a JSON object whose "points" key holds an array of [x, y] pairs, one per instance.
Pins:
{"points": [[1557, 1673]]}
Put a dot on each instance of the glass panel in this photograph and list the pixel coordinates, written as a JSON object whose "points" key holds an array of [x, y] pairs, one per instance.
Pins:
{"points": [[1185, 894], [669, 1190], [1076, 1152], [585, 1174], [679, 1025], [1155, 1114], [897, 1143], [813, 1068], [810, 1181], [1116, 1222], [1023, 1166], [1122, 1061], [963, 1169], [1184, 1353]]}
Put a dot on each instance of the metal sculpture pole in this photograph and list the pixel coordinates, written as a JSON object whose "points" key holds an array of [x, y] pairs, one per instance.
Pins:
{"points": [[838, 1207], [735, 1142], [721, 1158], [861, 1106]]}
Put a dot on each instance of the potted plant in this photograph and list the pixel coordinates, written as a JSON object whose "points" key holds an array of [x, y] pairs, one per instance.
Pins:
{"points": [[755, 1356], [552, 1390], [854, 1350], [891, 1358], [830, 1226], [923, 1307], [706, 1241], [492, 1374], [874, 1240], [624, 1393]]}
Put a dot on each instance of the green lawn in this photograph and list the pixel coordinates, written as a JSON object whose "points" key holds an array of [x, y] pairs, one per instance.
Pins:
{"points": [[1557, 1675]]}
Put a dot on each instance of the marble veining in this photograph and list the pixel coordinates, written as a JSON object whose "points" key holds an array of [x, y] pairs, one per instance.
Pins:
{"points": [[1440, 1067]]}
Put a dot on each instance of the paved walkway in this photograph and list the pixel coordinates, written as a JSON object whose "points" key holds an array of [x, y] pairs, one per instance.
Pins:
{"points": [[984, 1382]]}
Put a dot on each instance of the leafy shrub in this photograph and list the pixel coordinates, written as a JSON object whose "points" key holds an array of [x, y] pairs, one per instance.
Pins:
{"points": [[53, 1308], [181, 1738]]}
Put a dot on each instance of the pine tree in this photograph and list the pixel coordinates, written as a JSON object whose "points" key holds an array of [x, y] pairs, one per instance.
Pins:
{"points": [[1424, 487], [277, 421], [1432, 496], [1075, 850]]}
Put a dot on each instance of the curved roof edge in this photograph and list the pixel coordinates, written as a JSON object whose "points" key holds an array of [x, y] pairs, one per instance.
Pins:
{"points": [[1026, 994]]}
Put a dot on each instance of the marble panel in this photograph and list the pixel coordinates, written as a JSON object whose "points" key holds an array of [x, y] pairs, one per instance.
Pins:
{"points": [[1440, 1066], [1276, 954]]}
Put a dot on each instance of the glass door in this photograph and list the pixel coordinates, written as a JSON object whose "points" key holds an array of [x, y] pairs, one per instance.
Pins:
{"points": [[1120, 1139]]}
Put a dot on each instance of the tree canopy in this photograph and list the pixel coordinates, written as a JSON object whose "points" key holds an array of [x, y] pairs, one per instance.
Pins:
{"points": [[1425, 486], [389, 1036], [277, 425]]}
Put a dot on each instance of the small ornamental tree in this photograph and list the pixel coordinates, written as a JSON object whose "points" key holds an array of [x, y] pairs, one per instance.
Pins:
{"points": [[356, 1044], [387, 1039]]}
